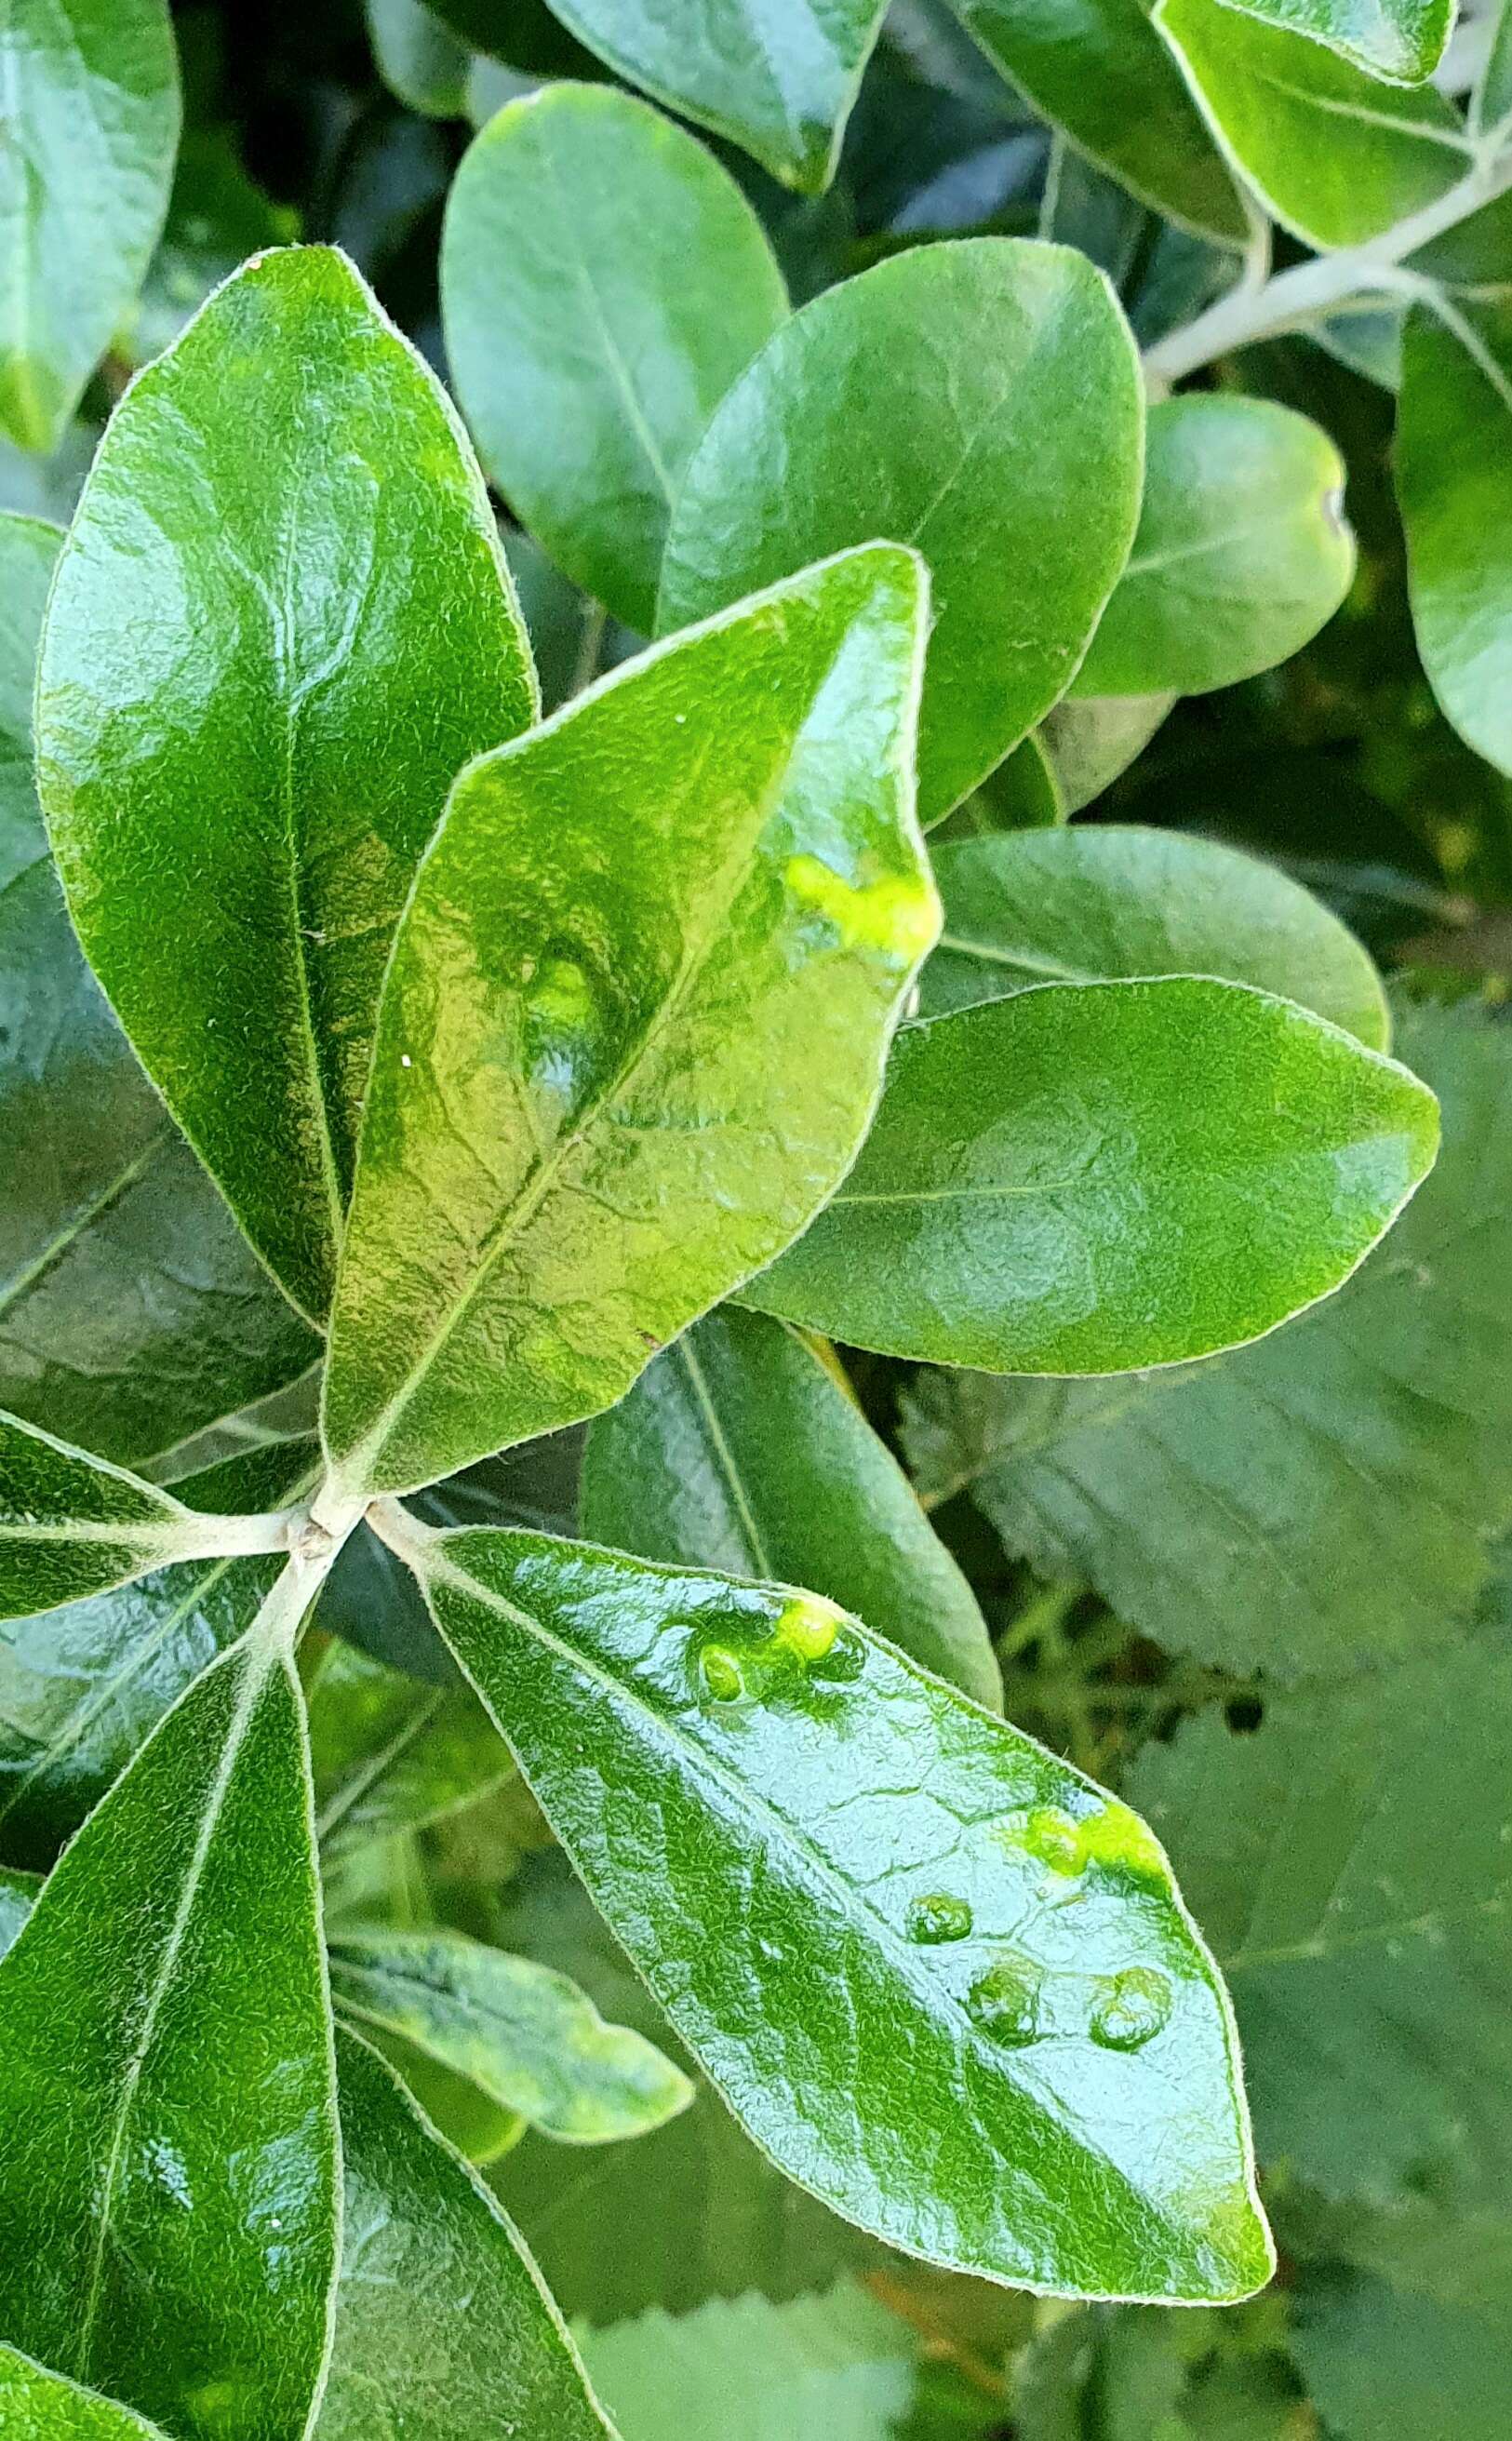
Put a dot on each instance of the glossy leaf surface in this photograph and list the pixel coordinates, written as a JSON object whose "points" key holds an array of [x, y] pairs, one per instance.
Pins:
{"points": [[1099, 69], [1004, 442], [1332, 153], [1242, 552], [738, 1450], [284, 512], [1454, 446], [91, 122], [389, 1753], [1090, 1178], [168, 2214], [777, 77], [525, 2036], [910, 2024], [1109, 899], [603, 282], [1401, 40], [36, 2405], [609, 1079], [443, 2326], [70, 1526]]}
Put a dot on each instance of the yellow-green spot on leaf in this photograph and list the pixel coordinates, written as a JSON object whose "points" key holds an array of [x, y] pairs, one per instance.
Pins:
{"points": [[807, 1627], [897, 916], [1115, 1835], [1056, 1839], [723, 1677]]}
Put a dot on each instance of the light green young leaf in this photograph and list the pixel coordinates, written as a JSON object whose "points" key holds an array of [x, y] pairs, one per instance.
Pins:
{"points": [[840, 2365], [1236, 1511], [442, 2318], [91, 124], [36, 2405], [1004, 442], [1098, 69], [1110, 899], [419, 60], [740, 1450], [283, 517], [1400, 40], [608, 1086], [914, 2025], [1334, 155], [1453, 463], [391, 1753], [1242, 552], [1089, 1178], [168, 2205], [603, 282], [525, 2036]]}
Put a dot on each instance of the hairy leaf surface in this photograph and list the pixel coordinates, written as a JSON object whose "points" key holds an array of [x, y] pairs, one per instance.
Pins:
{"points": [[36, 2405], [1402, 40], [71, 1525]]}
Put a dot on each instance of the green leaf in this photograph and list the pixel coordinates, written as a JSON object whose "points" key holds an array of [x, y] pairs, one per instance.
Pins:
{"points": [[28, 553], [778, 80], [392, 1754], [1106, 900], [1098, 69], [1400, 40], [91, 124], [36, 2405], [840, 2365], [1087, 1177], [605, 1090], [282, 517], [1317, 1502], [1023, 794], [523, 35], [1491, 101], [81, 1688], [1334, 156], [740, 1450], [420, 62], [18, 1896], [1453, 438], [1004, 442], [525, 2036], [168, 2214], [1242, 552], [936, 2049], [603, 282], [443, 2326], [216, 218], [1349, 1861], [1090, 740]]}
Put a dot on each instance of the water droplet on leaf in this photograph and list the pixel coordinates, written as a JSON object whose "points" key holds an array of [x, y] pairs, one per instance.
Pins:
{"points": [[1131, 2007], [1005, 2001]]}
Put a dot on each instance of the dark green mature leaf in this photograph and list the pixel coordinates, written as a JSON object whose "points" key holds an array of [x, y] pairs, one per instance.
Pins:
{"points": [[91, 122], [283, 517], [980, 399], [1453, 461], [1098, 69], [1242, 552], [604, 282], [1110, 899], [1087, 1177], [389, 1753], [840, 2365], [168, 2208], [36, 2405], [611, 1081], [526, 2036], [443, 2326], [1313, 1503], [1332, 153], [1402, 40], [740, 1450], [911, 2022], [1351, 1861]]}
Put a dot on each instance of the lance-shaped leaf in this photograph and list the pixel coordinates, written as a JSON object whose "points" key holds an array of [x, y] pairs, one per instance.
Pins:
{"points": [[1400, 40], [632, 1033], [740, 1450], [524, 2034], [1099, 69], [443, 2324], [1453, 463], [603, 280], [168, 2204], [778, 80], [80, 1687], [980, 399], [91, 124], [1332, 153], [1110, 899], [391, 1753], [1090, 1178], [1242, 552], [848, 1886], [36, 2405], [245, 733]]}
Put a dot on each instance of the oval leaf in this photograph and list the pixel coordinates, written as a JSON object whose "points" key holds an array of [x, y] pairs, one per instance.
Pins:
{"points": [[1094, 1178], [1402, 40], [36, 2405], [244, 736], [916, 2026], [980, 399], [603, 280], [1453, 452], [633, 1030]]}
